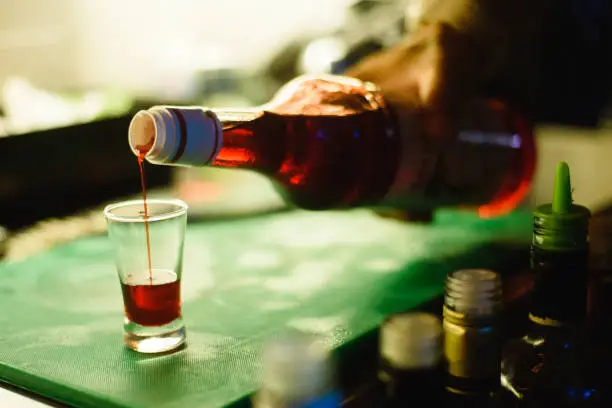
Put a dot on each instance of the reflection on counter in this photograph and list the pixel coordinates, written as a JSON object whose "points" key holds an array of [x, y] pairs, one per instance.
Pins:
{"points": [[213, 192]]}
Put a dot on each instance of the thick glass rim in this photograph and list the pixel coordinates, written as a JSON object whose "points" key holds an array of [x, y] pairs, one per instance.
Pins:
{"points": [[180, 208]]}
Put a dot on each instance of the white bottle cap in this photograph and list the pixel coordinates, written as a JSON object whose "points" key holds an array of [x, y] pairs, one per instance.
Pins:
{"points": [[183, 136], [411, 341], [296, 368]]}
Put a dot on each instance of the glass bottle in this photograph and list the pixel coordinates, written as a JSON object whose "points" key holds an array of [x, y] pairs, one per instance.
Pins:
{"points": [[298, 372], [551, 365], [472, 341], [411, 365], [333, 142]]}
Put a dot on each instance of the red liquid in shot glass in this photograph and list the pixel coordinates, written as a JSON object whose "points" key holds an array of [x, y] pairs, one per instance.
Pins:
{"points": [[152, 301]]}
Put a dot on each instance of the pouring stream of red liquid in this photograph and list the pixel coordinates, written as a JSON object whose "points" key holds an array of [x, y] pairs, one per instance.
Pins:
{"points": [[141, 157]]}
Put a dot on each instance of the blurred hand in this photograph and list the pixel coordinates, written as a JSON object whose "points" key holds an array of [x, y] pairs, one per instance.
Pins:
{"points": [[425, 79], [427, 76]]}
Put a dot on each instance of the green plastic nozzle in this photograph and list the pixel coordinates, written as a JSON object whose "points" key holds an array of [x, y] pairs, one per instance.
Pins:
{"points": [[562, 194], [561, 225]]}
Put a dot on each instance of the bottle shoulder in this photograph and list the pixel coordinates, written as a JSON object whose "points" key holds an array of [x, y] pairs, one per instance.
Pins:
{"points": [[326, 95]]}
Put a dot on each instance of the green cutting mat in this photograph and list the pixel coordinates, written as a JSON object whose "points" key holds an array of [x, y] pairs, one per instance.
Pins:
{"points": [[336, 274]]}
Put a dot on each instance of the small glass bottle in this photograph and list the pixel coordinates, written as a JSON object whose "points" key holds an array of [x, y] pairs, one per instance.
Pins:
{"points": [[472, 341], [298, 372], [333, 142], [411, 365], [551, 365]]}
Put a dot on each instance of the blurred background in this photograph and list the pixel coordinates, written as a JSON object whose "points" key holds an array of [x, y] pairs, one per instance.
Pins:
{"points": [[72, 72]]}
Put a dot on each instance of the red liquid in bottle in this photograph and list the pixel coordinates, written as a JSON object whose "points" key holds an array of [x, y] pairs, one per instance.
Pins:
{"points": [[332, 142], [152, 301], [328, 144]]}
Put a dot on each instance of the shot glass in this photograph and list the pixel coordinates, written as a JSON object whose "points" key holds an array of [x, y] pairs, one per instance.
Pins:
{"points": [[149, 258]]}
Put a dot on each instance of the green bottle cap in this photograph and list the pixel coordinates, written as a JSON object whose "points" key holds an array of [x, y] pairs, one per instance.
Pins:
{"points": [[561, 225]]}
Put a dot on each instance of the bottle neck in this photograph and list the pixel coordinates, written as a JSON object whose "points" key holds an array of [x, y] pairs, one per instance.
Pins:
{"points": [[252, 139], [559, 296]]}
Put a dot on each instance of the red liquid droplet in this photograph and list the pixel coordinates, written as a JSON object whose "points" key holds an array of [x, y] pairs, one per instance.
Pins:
{"points": [[152, 302]]}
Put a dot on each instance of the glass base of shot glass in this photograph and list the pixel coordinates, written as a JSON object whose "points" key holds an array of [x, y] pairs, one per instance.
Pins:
{"points": [[154, 339]]}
